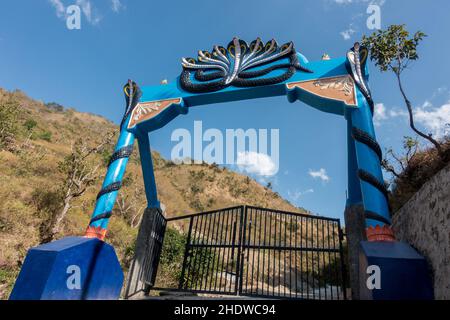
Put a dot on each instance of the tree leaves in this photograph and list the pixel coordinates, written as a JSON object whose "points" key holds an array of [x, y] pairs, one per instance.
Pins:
{"points": [[393, 49]]}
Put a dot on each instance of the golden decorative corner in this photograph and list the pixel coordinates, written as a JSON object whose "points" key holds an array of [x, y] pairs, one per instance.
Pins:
{"points": [[378, 233], [340, 88], [147, 110]]}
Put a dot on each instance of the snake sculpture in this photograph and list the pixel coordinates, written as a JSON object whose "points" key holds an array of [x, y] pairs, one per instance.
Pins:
{"points": [[239, 65]]}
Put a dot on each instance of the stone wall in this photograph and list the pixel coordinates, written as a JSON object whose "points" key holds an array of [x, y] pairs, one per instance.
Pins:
{"points": [[424, 222]]}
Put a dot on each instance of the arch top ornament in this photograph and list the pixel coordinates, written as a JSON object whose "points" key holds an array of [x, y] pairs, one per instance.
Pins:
{"points": [[252, 70], [241, 65]]}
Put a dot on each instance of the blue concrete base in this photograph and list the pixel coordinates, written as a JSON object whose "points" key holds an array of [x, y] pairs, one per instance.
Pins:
{"points": [[404, 274], [73, 268]]}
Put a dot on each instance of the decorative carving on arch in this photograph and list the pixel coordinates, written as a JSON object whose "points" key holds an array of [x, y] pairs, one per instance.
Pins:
{"points": [[147, 110], [241, 65], [340, 88]]}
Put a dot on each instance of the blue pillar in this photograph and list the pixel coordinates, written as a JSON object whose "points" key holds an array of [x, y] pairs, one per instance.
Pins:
{"points": [[368, 152], [145, 153], [368, 158], [368, 164], [354, 196], [112, 183]]}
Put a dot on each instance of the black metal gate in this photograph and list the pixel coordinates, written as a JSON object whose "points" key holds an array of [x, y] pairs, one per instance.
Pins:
{"points": [[260, 252], [213, 248]]}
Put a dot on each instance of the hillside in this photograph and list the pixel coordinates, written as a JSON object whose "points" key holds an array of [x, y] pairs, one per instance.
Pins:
{"points": [[42, 136]]}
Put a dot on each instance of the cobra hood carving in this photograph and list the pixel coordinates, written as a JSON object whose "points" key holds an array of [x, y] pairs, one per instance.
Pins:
{"points": [[357, 58], [240, 65]]}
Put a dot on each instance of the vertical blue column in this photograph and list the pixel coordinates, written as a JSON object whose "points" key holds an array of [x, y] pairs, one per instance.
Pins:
{"points": [[148, 173], [112, 183], [369, 165], [373, 189], [368, 152], [354, 195]]}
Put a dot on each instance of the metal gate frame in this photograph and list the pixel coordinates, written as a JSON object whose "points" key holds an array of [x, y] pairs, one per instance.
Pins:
{"points": [[233, 238], [205, 233], [335, 249]]}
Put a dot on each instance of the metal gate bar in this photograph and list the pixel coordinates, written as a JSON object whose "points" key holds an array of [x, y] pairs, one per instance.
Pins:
{"points": [[291, 255], [262, 252], [211, 260]]}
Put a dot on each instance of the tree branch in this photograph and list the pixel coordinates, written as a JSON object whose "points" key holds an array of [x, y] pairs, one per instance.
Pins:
{"points": [[411, 119]]}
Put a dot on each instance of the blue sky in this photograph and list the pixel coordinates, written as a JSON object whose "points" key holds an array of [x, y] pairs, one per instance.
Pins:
{"points": [[145, 40]]}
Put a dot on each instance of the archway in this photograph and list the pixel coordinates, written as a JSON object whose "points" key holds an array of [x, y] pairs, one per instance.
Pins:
{"points": [[246, 71], [238, 72], [256, 70]]}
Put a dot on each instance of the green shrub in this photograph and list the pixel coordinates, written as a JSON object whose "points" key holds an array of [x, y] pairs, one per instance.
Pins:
{"points": [[106, 156], [196, 204], [8, 119], [46, 200], [8, 276], [30, 124], [45, 135], [205, 260], [171, 260], [55, 106]]}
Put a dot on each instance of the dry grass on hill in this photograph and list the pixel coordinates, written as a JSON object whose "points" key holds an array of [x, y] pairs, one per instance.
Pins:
{"points": [[28, 171]]}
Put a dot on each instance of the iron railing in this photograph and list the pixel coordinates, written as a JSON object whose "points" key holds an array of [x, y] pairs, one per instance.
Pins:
{"points": [[259, 252], [291, 255]]}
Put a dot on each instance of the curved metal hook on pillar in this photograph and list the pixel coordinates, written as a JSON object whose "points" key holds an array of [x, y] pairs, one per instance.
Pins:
{"points": [[116, 168]]}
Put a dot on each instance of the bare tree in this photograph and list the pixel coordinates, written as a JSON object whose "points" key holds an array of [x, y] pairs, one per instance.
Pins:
{"points": [[131, 207], [80, 174], [411, 147]]}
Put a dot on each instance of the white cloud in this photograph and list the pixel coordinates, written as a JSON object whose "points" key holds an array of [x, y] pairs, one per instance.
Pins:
{"points": [[443, 90], [59, 7], [296, 195], [436, 120], [319, 174], [88, 11], [427, 104], [346, 2], [379, 114], [256, 163], [397, 113], [343, 1], [347, 34], [116, 5]]}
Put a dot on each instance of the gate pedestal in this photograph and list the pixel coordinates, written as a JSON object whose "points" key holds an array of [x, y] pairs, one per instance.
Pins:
{"points": [[403, 273], [72, 268]]}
